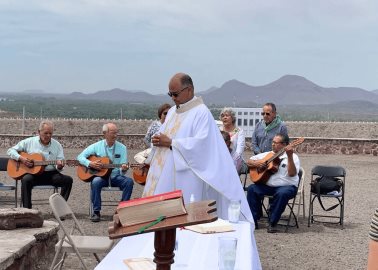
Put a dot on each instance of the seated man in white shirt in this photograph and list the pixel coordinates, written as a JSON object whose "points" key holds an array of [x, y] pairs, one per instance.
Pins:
{"points": [[282, 185]]}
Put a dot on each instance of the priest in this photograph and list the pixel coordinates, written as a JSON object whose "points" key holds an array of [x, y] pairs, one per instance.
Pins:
{"points": [[190, 154]]}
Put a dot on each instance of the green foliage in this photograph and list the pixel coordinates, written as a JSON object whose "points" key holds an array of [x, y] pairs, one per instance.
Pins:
{"points": [[93, 109], [52, 107]]}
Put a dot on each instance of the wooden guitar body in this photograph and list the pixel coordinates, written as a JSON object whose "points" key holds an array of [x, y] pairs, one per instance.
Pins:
{"points": [[86, 174], [262, 176], [272, 162], [16, 169], [140, 175]]}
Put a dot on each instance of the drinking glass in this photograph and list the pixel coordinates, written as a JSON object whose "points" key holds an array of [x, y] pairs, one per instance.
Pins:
{"points": [[234, 211], [227, 252]]}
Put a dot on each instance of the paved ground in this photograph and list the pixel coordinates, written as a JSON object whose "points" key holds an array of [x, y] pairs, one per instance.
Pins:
{"points": [[317, 247]]}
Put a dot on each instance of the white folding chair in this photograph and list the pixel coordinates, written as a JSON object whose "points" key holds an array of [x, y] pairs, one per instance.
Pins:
{"points": [[301, 195], [74, 243]]}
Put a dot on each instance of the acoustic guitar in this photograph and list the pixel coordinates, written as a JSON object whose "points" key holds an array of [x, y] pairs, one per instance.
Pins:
{"points": [[86, 173], [16, 169], [140, 174], [272, 163]]}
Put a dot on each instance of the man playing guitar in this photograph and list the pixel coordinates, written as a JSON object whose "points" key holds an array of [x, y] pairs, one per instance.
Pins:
{"points": [[51, 150], [116, 153], [282, 182]]}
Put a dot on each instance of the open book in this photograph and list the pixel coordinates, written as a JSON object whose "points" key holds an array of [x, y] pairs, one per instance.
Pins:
{"points": [[217, 226], [150, 208]]}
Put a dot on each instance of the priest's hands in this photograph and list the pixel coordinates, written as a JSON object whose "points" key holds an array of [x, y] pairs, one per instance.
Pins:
{"points": [[161, 140]]}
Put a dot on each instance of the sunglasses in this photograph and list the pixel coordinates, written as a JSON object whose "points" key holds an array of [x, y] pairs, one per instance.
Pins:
{"points": [[265, 113], [176, 94]]}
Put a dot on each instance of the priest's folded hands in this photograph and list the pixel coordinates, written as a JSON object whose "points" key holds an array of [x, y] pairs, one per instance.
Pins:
{"points": [[161, 140]]}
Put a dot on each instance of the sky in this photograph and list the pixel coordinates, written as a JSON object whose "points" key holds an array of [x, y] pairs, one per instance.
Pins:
{"points": [[61, 46]]}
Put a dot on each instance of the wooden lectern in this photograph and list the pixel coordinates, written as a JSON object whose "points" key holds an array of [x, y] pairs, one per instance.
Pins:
{"points": [[165, 231]]}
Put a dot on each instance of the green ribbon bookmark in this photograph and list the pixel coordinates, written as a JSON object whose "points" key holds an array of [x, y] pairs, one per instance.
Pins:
{"points": [[159, 219]]}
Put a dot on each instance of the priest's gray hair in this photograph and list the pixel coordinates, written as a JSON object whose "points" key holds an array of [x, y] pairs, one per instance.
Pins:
{"points": [[186, 81], [228, 110]]}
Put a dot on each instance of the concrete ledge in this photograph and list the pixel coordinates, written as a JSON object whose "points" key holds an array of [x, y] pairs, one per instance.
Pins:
{"points": [[28, 248]]}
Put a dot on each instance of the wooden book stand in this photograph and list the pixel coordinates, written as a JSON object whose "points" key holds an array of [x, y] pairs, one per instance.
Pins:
{"points": [[165, 231]]}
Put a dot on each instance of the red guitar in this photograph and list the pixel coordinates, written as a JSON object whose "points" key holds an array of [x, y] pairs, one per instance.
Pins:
{"points": [[272, 163]]}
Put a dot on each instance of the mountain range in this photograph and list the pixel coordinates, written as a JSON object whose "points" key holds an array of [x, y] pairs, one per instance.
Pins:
{"points": [[287, 90]]}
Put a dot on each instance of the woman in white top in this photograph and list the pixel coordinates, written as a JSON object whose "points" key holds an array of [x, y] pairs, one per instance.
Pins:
{"points": [[228, 118]]}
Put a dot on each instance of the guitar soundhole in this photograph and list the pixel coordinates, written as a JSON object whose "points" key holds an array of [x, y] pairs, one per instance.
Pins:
{"points": [[92, 171]]}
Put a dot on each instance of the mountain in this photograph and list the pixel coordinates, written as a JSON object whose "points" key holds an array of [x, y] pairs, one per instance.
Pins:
{"points": [[117, 94], [289, 89]]}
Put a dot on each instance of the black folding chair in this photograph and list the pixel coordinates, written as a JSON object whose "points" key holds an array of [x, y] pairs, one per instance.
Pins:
{"points": [[6, 187], [243, 174], [287, 220], [338, 197]]}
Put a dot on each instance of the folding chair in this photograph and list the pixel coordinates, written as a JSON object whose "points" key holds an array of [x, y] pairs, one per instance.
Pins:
{"points": [[54, 189], [301, 194], [244, 171], [290, 205], [4, 187], [74, 243], [330, 171]]}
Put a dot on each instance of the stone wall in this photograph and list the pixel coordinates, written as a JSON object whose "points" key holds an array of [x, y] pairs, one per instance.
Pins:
{"points": [[364, 130], [28, 248], [79, 141], [310, 145], [349, 138]]}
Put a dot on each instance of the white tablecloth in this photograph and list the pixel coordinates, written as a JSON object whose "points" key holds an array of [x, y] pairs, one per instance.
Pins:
{"points": [[195, 250]]}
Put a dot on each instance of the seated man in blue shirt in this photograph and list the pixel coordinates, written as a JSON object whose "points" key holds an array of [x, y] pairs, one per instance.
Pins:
{"points": [[51, 150], [117, 153]]}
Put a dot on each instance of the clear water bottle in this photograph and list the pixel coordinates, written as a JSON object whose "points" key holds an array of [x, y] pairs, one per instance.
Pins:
{"points": [[234, 211], [192, 199]]}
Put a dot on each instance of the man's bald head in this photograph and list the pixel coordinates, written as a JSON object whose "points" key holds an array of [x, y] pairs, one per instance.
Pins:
{"points": [[181, 88]]}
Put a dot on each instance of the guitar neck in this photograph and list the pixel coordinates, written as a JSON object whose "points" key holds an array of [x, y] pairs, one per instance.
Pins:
{"points": [[45, 162], [55, 162], [112, 166], [279, 153], [276, 155]]}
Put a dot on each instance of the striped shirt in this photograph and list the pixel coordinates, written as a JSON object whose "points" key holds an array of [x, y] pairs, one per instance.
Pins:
{"points": [[52, 151], [374, 227]]}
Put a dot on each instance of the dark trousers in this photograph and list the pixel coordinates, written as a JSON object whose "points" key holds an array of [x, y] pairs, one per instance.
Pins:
{"points": [[53, 178], [281, 195]]}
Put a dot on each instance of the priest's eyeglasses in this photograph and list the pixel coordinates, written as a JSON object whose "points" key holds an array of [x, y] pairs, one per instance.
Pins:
{"points": [[176, 94]]}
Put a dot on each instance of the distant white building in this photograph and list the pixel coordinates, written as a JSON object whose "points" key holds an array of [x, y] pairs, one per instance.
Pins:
{"points": [[247, 118]]}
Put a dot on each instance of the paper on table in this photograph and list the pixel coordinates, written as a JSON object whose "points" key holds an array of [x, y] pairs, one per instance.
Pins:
{"points": [[140, 264], [217, 226]]}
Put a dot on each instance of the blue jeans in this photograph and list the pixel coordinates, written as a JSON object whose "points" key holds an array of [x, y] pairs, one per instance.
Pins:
{"points": [[124, 183], [281, 195]]}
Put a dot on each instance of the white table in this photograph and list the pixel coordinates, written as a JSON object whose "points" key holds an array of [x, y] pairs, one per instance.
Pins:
{"points": [[195, 250]]}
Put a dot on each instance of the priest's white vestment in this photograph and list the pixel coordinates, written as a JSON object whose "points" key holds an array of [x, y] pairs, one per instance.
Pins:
{"points": [[199, 162]]}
